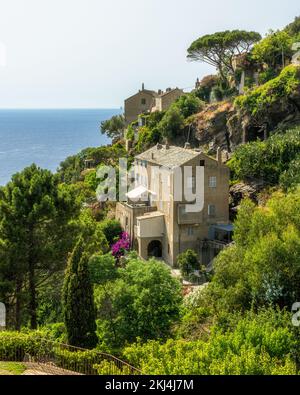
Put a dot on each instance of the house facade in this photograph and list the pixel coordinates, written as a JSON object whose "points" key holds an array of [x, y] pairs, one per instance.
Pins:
{"points": [[164, 99], [162, 215], [147, 101]]}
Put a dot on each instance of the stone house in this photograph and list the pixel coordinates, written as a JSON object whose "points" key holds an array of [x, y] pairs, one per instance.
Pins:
{"points": [[146, 101], [156, 215], [164, 99]]}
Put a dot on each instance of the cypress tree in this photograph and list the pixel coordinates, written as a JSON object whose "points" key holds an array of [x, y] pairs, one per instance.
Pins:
{"points": [[78, 301]]}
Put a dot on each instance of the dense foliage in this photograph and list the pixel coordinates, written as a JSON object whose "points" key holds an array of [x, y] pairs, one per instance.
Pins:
{"points": [[113, 127], [70, 170], [112, 230], [143, 301], [279, 91], [274, 50], [188, 262], [35, 215], [262, 267], [268, 160], [257, 344], [169, 125], [294, 28]]}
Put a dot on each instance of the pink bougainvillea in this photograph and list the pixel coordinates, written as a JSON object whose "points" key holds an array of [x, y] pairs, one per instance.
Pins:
{"points": [[121, 246]]}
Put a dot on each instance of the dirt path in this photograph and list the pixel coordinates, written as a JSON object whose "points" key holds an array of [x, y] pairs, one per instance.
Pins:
{"points": [[5, 373], [39, 369]]}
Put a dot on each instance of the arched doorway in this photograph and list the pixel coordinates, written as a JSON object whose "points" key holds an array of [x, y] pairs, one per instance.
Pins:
{"points": [[155, 249]]}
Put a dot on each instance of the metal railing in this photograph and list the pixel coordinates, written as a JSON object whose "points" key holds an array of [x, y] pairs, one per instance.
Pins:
{"points": [[53, 358]]}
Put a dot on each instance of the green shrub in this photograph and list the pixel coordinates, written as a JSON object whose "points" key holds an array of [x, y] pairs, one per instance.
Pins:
{"points": [[262, 267], [144, 301], [266, 160], [112, 230], [255, 344], [290, 178], [188, 105], [78, 361], [102, 268], [148, 137], [188, 262], [258, 101], [266, 76], [15, 345], [113, 368], [269, 50], [130, 133], [172, 123], [294, 28]]}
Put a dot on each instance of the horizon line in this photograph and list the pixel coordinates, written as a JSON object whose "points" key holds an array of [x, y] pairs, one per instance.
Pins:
{"points": [[61, 108]]}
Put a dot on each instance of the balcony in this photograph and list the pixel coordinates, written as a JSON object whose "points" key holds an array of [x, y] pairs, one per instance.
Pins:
{"points": [[150, 225]]}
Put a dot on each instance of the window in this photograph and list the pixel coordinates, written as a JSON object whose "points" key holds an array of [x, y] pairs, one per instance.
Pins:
{"points": [[169, 249], [213, 182], [202, 163], [190, 231], [126, 221], [143, 101], [211, 210]]}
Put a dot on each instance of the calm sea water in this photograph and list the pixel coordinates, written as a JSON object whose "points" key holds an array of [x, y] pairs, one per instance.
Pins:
{"points": [[47, 137]]}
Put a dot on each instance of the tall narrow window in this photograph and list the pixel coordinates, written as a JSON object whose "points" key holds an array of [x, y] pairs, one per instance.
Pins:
{"points": [[143, 101], [190, 231], [211, 210], [213, 182]]}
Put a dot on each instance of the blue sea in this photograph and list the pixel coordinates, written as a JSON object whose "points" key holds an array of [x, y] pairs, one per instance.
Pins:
{"points": [[47, 137]]}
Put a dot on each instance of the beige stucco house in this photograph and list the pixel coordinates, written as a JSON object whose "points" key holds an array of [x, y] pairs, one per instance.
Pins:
{"points": [[147, 101], [161, 216]]}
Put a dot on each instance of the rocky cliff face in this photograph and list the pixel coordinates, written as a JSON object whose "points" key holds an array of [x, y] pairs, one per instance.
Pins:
{"points": [[225, 125], [243, 190], [211, 129]]}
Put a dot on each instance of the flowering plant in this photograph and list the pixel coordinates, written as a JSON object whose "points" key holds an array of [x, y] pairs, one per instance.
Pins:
{"points": [[121, 246]]}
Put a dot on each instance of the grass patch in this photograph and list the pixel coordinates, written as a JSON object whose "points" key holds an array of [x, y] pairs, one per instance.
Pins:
{"points": [[14, 368]]}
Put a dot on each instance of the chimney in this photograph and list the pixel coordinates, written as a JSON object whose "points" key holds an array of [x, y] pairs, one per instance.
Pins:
{"points": [[143, 86], [219, 156], [187, 145], [159, 91]]}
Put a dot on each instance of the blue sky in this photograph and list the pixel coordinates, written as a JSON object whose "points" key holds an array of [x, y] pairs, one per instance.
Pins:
{"points": [[94, 53]]}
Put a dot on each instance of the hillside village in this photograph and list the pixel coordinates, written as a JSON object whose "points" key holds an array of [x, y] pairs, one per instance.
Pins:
{"points": [[150, 284], [159, 229]]}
